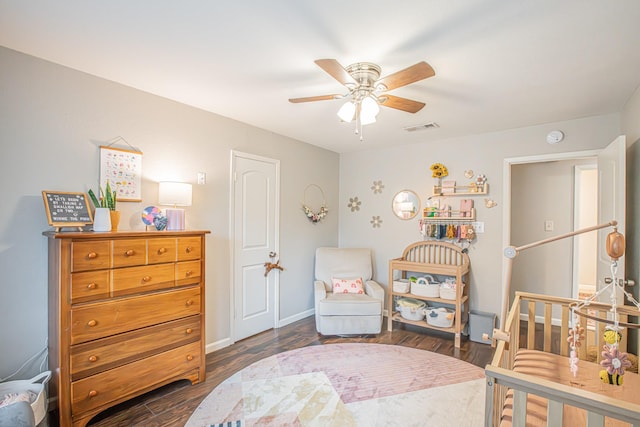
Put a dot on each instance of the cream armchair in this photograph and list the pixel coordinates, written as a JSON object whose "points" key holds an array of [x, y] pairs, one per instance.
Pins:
{"points": [[346, 313]]}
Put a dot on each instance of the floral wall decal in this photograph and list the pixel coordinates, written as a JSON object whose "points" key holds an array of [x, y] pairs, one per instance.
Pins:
{"points": [[376, 222], [377, 187], [490, 203], [354, 204]]}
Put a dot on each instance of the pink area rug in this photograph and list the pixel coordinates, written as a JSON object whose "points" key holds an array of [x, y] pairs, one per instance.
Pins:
{"points": [[348, 385]]}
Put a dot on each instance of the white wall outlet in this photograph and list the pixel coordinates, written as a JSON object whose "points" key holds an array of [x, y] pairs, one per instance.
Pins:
{"points": [[478, 226], [548, 225], [202, 178]]}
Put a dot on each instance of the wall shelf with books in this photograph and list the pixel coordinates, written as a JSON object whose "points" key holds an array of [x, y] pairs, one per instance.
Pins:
{"points": [[472, 189]]}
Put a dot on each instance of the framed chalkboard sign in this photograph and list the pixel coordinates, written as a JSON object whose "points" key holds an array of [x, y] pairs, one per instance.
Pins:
{"points": [[65, 209]]}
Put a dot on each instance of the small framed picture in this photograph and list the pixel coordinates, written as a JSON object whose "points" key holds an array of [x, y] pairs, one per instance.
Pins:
{"points": [[123, 169]]}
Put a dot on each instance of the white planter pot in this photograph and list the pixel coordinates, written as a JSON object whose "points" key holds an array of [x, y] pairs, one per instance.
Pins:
{"points": [[102, 220]]}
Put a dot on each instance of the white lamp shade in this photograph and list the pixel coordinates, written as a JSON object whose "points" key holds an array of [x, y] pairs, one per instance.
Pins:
{"points": [[369, 109], [174, 193], [347, 112]]}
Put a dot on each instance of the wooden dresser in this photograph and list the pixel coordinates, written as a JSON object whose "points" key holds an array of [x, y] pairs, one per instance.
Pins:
{"points": [[126, 315]]}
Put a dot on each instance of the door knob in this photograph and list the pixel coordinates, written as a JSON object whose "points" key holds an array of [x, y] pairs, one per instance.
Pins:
{"points": [[621, 282]]}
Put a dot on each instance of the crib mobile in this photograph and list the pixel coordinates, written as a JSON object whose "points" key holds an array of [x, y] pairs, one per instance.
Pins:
{"points": [[614, 361]]}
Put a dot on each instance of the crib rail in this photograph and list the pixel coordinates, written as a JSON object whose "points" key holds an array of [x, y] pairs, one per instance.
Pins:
{"points": [[545, 333]]}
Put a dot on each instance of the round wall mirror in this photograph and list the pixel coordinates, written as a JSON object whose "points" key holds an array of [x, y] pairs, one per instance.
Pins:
{"points": [[405, 204]]}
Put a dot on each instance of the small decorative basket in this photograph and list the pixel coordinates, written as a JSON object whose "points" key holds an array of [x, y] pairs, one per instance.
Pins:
{"points": [[411, 309], [35, 387], [426, 287], [401, 286], [440, 317], [448, 291]]}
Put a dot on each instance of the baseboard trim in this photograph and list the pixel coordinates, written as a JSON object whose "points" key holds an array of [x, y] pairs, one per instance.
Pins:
{"points": [[540, 319], [295, 318], [218, 345]]}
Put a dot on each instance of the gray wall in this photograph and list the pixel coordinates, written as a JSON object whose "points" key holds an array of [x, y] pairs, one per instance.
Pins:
{"points": [[631, 128], [407, 167], [542, 191], [52, 121]]}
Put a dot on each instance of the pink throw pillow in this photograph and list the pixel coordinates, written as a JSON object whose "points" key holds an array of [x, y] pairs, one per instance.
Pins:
{"points": [[347, 286]]}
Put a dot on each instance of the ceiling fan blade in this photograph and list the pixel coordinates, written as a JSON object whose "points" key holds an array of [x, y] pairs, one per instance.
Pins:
{"points": [[314, 98], [416, 72], [403, 104], [335, 70]]}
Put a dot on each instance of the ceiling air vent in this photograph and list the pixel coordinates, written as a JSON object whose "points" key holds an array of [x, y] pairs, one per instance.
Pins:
{"points": [[425, 126]]}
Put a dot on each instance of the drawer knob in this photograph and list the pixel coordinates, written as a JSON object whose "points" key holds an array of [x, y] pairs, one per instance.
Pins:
{"points": [[162, 250], [189, 249], [189, 302], [189, 358], [92, 285], [189, 330], [92, 255], [93, 393], [188, 273], [93, 358], [146, 278], [92, 323], [130, 252]]}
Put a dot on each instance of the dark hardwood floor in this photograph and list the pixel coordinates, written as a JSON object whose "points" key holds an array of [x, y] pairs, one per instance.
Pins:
{"points": [[173, 404]]}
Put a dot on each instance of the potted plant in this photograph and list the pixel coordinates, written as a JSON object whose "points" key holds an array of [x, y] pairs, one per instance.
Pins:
{"points": [[107, 203]]}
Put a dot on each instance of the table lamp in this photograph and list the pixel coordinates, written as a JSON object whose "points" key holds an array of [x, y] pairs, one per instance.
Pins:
{"points": [[175, 194]]}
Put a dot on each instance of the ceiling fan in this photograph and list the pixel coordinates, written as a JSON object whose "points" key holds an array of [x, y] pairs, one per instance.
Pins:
{"points": [[366, 90]]}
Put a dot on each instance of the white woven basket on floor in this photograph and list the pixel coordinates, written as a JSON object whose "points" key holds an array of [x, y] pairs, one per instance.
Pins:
{"points": [[35, 385]]}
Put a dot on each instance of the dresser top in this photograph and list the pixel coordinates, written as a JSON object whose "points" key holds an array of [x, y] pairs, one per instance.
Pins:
{"points": [[121, 234]]}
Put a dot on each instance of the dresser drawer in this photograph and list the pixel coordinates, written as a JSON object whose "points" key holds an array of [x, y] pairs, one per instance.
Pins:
{"points": [[161, 250], [129, 252], [187, 273], [189, 248], [100, 355], [90, 255], [89, 286], [99, 320], [134, 280], [126, 381]]}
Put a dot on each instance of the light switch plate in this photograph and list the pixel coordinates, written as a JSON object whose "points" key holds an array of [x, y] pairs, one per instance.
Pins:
{"points": [[478, 226], [548, 225], [202, 178]]}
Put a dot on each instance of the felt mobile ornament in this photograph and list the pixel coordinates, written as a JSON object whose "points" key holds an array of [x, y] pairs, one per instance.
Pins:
{"points": [[613, 360]]}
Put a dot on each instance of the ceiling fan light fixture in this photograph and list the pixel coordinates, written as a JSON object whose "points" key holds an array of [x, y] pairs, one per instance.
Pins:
{"points": [[365, 88], [347, 112], [369, 109]]}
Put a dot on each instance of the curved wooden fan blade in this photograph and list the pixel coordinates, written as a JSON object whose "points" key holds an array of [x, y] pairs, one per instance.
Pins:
{"points": [[416, 72], [335, 70], [404, 104], [314, 98]]}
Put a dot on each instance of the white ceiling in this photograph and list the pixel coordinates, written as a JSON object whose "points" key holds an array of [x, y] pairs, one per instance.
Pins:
{"points": [[499, 64]]}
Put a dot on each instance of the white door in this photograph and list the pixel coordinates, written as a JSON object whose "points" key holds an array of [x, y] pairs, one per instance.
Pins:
{"points": [[611, 206], [255, 218]]}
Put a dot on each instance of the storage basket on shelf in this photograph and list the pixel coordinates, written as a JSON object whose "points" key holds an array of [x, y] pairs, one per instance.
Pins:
{"points": [[33, 389], [401, 286], [448, 290], [411, 308], [440, 317], [426, 286]]}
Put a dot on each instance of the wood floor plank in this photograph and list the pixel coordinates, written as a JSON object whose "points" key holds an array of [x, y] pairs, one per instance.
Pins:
{"points": [[173, 404]]}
